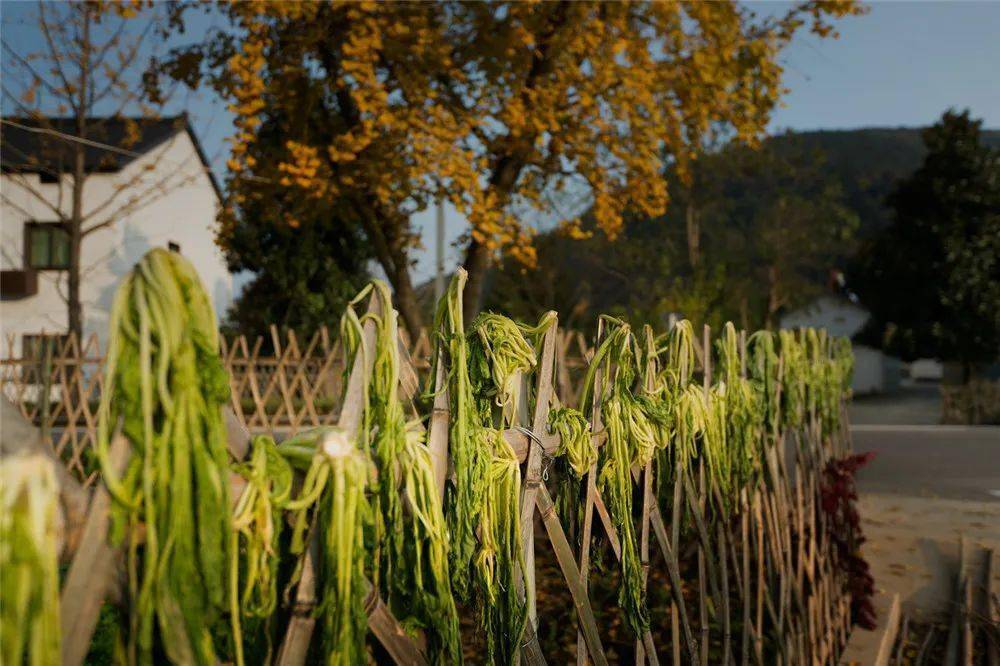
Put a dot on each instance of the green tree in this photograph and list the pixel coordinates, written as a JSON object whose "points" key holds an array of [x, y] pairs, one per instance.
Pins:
{"points": [[491, 105], [932, 278], [752, 232], [308, 259]]}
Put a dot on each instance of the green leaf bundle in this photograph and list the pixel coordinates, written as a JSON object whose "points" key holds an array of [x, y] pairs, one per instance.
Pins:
{"points": [[165, 380], [29, 567], [257, 521], [575, 440], [483, 503], [630, 440], [741, 419], [411, 541]]}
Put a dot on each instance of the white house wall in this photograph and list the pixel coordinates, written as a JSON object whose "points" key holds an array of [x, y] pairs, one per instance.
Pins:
{"points": [[180, 207], [837, 315]]}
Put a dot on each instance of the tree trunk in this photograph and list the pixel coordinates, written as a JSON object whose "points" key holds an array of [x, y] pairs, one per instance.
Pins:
{"points": [[773, 298], [693, 236], [477, 262], [392, 255], [75, 222], [405, 297], [75, 307]]}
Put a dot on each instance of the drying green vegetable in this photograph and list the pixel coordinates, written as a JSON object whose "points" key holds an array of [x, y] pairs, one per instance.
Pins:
{"points": [[498, 562], [411, 540], [165, 380], [464, 497], [575, 440], [257, 522], [741, 418], [498, 354], [763, 368], [335, 486], [483, 502], [29, 567], [630, 440], [793, 378]]}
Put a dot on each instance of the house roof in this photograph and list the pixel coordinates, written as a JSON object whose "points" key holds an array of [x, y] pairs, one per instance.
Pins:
{"points": [[45, 146]]}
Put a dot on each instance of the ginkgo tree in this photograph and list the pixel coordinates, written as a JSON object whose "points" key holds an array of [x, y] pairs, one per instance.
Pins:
{"points": [[494, 106]]}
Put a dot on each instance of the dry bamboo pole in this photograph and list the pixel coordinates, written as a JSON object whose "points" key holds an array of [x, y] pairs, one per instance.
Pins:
{"points": [[694, 502], [670, 556], [573, 576], [533, 468], [675, 530], [703, 565], [437, 435], [760, 554], [727, 653], [647, 501], [591, 493], [675, 646], [725, 550], [92, 569], [745, 546]]}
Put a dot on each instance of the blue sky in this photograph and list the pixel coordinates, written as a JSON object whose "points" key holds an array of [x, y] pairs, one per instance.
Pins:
{"points": [[902, 64]]}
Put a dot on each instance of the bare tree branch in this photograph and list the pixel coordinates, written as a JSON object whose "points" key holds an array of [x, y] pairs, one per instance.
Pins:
{"points": [[55, 55], [23, 183], [30, 69]]}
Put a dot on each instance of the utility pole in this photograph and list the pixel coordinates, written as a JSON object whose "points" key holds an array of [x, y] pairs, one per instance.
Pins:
{"points": [[439, 253]]}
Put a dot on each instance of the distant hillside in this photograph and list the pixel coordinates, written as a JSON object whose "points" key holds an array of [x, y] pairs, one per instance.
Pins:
{"points": [[868, 161], [583, 278]]}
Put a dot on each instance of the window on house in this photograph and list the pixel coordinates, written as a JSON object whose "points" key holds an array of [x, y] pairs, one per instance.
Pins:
{"points": [[48, 245], [33, 345], [174, 247]]}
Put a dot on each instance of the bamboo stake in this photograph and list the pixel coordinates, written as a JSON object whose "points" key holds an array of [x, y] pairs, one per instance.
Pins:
{"points": [[745, 545], [759, 545], [647, 499], [675, 529], [573, 576], [727, 654], [703, 547], [591, 493], [670, 556], [533, 468]]}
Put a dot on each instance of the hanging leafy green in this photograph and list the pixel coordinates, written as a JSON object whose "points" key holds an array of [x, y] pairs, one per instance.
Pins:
{"points": [[742, 414], [498, 353], [575, 440], [165, 379], [257, 522], [411, 540], [499, 356], [630, 440], [763, 369], [465, 494], [29, 566], [334, 490], [483, 501], [794, 375]]}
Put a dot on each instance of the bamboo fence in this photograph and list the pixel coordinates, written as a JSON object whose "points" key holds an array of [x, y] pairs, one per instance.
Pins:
{"points": [[281, 384], [767, 587]]}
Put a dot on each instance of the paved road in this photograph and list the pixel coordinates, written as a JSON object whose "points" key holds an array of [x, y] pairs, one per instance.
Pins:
{"points": [[953, 462], [912, 404]]}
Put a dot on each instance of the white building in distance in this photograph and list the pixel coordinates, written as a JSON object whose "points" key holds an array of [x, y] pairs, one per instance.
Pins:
{"points": [[874, 372], [156, 190]]}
